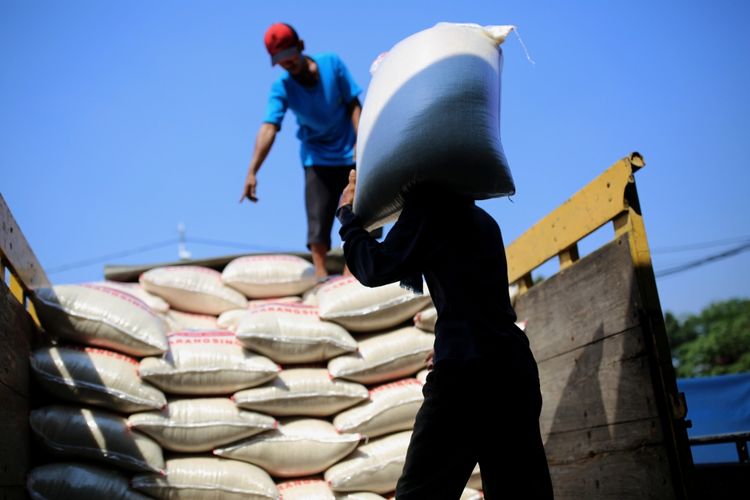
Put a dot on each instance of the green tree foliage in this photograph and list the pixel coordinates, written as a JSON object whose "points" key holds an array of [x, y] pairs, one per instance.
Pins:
{"points": [[714, 342]]}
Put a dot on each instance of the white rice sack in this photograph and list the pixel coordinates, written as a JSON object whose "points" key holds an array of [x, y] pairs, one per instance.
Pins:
{"points": [[65, 481], [208, 478], [230, 319], [302, 391], [315, 489], [97, 435], [299, 447], [95, 376], [373, 467], [207, 363], [310, 297], [195, 425], [422, 375], [471, 494], [383, 357], [179, 320], [426, 319], [292, 333], [156, 303], [192, 289], [475, 481], [432, 115], [101, 316], [361, 309], [262, 276], [391, 408]]}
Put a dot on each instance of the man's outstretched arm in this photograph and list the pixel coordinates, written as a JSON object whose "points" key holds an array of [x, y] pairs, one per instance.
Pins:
{"points": [[263, 143]]}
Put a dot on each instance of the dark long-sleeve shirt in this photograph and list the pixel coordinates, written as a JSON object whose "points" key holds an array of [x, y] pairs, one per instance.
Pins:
{"points": [[458, 248]]}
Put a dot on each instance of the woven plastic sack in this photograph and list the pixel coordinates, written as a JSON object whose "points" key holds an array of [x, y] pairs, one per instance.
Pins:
{"points": [[101, 316], [65, 481], [475, 481], [426, 319], [315, 489], [432, 115], [375, 466], [299, 447], [471, 494], [230, 319], [358, 308], [263, 276], [207, 363], [302, 392], [180, 320], [97, 435], [292, 333], [310, 297], [95, 376], [391, 408], [208, 478], [192, 289], [384, 357], [157, 304], [195, 425]]}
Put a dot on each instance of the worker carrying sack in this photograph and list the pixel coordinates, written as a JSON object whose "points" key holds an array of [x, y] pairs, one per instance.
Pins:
{"points": [[432, 115]]}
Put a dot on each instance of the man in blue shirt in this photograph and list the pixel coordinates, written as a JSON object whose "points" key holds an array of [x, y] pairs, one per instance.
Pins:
{"points": [[324, 97]]}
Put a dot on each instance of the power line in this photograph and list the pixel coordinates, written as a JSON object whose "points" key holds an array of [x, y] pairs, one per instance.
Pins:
{"points": [[701, 245], [116, 255], [233, 244], [101, 259], [705, 260]]}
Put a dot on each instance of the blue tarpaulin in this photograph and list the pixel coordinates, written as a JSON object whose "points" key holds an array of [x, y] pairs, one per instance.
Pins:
{"points": [[717, 405]]}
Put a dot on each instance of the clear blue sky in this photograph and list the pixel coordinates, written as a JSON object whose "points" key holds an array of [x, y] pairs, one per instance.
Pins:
{"points": [[122, 119]]}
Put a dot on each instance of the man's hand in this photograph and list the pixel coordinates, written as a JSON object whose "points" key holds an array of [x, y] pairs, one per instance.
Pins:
{"points": [[429, 360], [248, 192], [347, 197]]}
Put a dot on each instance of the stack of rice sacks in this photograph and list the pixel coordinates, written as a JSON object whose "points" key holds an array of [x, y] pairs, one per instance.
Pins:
{"points": [[256, 382]]}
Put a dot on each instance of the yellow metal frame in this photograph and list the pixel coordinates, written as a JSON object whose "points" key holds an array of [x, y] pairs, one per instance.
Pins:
{"points": [[612, 198], [605, 199], [21, 270]]}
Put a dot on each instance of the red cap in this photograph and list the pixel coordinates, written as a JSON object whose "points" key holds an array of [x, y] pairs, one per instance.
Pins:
{"points": [[281, 42]]}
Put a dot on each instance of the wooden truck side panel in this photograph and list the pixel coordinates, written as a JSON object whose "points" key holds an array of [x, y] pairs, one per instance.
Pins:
{"points": [[18, 332], [600, 422]]}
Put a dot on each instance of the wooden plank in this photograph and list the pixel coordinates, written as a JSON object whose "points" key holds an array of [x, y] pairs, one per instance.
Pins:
{"points": [[586, 211], [573, 446], [592, 299], [569, 256], [603, 383], [16, 251], [17, 332], [14, 452], [16, 335], [641, 474]]}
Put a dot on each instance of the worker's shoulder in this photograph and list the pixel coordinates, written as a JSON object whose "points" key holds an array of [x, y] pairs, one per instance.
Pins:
{"points": [[329, 56], [331, 59]]}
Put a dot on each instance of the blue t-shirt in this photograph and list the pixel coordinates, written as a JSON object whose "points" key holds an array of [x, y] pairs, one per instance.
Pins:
{"points": [[325, 128]]}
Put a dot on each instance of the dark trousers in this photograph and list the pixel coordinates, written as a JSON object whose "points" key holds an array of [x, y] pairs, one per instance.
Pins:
{"points": [[484, 412], [323, 188]]}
